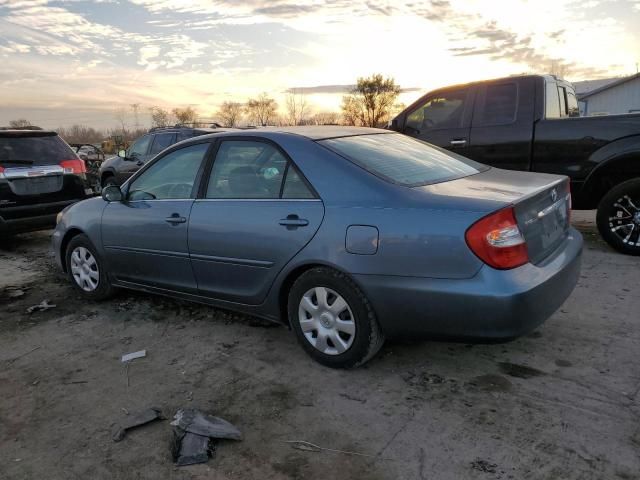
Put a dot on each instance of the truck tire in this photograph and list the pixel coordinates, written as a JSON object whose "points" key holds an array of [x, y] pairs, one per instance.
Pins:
{"points": [[618, 217]]}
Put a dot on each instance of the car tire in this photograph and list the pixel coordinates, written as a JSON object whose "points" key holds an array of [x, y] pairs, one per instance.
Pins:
{"points": [[86, 269], [618, 217], [110, 180], [332, 319]]}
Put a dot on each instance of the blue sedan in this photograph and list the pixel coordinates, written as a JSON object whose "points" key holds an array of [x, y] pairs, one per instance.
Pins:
{"points": [[347, 235]]}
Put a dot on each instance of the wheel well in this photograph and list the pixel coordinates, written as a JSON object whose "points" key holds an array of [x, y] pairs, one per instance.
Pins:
{"points": [[608, 176], [288, 282], [63, 245], [106, 175]]}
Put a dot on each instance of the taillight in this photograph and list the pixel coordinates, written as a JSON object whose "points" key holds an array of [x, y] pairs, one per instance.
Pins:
{"points": [[497, 240], [1, 172], [73, 166]]}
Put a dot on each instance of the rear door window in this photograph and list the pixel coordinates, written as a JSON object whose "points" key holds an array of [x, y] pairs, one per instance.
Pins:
{"points": [[162, 141], [247, 169], [403, 160], [443, 110], [552, 101], [500, 105], [42, 149]]}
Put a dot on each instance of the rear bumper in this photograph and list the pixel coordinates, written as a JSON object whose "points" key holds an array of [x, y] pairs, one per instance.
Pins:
{"points": [[495, 304], [32, 218]]}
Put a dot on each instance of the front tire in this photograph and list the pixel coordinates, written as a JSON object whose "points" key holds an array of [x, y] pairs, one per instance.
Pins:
{"points": [[86, 269], [332, 319], [618, 217]]}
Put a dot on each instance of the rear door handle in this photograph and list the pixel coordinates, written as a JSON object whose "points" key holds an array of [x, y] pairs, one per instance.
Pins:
{"points": [[175, 219], [460, 142], [293, 221]]}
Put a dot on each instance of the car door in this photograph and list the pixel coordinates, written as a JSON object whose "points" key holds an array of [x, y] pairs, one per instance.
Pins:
{"points": [[502, 127], [256, 212], [145, 236], [442, 118], [135, 157]]}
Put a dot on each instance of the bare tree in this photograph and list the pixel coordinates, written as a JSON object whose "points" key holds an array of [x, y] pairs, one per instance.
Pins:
{"points": [[325, 118], [230, 113], [185, 115], [296, 103], [262, 110], [20, 123], [160, 117], [120, 115], [350, 110], [81, 134], [371, 100]]}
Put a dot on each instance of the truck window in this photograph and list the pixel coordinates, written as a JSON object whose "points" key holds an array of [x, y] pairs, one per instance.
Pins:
{"points": [[572, 104], [500, 104], [443, 110], [552, 101]]}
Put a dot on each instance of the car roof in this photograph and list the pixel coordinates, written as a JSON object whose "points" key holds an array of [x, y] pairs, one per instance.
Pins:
{"points": [[26, 132], [312, 132]]}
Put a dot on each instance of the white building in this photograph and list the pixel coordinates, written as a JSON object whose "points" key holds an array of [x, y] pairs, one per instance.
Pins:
{"points": [[609, 96]]}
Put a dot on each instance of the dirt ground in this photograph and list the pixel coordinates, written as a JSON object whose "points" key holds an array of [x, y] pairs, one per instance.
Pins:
{"points": [[560, 403]]}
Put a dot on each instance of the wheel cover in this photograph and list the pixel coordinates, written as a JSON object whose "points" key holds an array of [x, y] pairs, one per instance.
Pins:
{"points": [[327, 321], [625, 220], [84, 269]]}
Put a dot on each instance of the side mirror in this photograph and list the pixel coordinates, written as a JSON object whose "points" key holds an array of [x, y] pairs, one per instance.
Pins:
{"points": [[112, 193], [122, 154]]}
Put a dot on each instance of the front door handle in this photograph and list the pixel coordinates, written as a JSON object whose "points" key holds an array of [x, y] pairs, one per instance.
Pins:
{"points": [[175, 219], [293, 221], [459, 142]]}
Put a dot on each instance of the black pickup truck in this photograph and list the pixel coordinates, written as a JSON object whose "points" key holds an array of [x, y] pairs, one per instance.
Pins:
{"points": [[532, 123]]}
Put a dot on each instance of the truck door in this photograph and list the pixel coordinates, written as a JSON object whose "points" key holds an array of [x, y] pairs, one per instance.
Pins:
{"points": [[442, 118], [502, 125]]}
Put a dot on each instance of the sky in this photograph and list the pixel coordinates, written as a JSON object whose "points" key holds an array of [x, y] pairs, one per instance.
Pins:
{"points": [[77, 62]]}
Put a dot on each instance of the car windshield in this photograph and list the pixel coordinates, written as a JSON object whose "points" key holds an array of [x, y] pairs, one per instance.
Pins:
{"points": [[403, 160]]}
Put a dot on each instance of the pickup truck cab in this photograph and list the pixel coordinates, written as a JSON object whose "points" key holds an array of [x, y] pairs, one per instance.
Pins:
{"points": [[532, 123]]}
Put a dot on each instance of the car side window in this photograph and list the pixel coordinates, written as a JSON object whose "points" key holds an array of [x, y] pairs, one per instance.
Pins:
{"points": [[572, 104], [500, 104], [294, 185], [552, 101], [162, 141], [171, 177], [139, 147], [246, 169], [443, 110]]}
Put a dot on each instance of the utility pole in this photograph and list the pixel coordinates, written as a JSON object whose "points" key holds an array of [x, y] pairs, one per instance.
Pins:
{"points": [[135, 107]]}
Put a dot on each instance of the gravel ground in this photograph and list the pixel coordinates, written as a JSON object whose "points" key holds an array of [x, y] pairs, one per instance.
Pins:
{"points": [[560, 403]]}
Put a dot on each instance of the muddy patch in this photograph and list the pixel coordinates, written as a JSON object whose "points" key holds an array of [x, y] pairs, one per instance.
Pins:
{"points": [[491, 383], [519, 371]]}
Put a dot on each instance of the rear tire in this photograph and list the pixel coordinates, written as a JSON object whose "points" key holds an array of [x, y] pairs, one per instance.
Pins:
{"points": [[618, 217], [86, 270], [333, 320]]}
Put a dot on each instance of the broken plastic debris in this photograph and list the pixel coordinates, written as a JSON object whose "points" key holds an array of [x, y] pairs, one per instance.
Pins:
{"points": [[132, 356], [42, 306], [189, 448], [136, 420], [194, 421]]}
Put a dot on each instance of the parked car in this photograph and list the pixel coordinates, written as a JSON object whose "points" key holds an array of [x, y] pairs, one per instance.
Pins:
{"points": [[349, 235], [39, 176], [115, 170], [93, 157], [532, 123]]}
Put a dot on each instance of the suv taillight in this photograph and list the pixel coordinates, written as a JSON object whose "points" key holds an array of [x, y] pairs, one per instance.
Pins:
{"points": [[73, 166], [497, 240]]}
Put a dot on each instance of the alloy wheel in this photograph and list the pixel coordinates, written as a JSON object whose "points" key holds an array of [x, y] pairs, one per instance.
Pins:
{"points": [[326, 320], [84, 269], [625, 220]]}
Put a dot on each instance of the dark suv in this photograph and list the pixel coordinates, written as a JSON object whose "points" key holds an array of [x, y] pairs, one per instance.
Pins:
{"points": [[115, 170], [39, 176]]}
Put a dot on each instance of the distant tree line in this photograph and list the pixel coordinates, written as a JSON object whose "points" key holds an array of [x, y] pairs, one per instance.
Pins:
{"points": [[371, 103]]}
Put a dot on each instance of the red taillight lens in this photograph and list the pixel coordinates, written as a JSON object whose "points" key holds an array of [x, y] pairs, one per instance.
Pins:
{"points": [[73, 166], [497, 240]]}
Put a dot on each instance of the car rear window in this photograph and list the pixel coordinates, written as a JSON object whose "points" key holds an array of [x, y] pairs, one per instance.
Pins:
{"points": [[35, 149], [403, 160]]}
